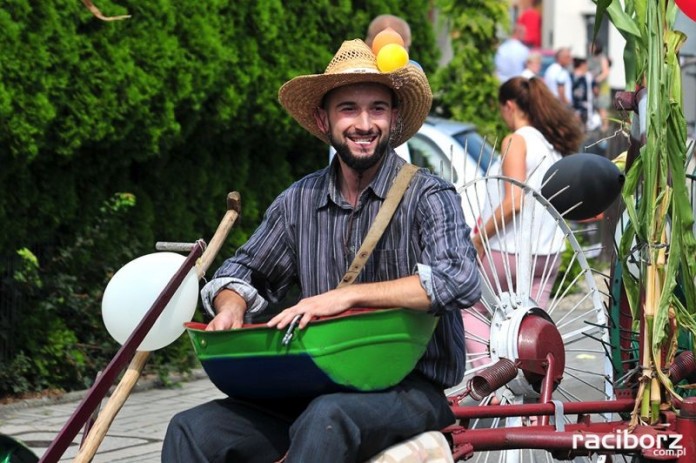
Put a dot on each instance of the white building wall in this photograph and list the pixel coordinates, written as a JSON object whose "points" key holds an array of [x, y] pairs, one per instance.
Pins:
{"points": [[615, 49], [565, 27]]}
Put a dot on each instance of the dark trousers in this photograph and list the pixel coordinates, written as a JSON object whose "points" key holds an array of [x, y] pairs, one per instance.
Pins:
{"points": [[341, 427]]}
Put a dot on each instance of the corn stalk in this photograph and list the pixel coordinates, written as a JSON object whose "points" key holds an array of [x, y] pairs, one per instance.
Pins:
{"points": [[656, 197]]}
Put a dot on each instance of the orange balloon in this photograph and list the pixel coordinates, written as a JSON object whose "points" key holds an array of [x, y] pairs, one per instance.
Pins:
{"points": [[386, 37]]}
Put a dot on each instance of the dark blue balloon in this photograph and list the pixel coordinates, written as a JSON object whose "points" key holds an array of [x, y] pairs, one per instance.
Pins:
{"points": [[592, 181]]}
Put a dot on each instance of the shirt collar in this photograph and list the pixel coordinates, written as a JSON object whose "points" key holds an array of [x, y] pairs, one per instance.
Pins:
{"points": [[380, 185]]}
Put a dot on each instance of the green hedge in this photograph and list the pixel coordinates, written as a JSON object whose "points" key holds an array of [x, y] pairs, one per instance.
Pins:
{"points": [[467, 89], [115, 135]]}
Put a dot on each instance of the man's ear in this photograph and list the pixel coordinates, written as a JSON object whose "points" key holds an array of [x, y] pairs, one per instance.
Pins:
{"points": [[322, 120]]}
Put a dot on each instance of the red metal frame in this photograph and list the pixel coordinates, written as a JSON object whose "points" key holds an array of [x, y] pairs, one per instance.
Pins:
{"points": [[563, 441], [578, 439]]}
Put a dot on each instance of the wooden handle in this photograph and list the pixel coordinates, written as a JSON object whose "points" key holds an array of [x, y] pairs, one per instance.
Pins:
{"points": [[234, 207], [173, 247], [113, 406]]}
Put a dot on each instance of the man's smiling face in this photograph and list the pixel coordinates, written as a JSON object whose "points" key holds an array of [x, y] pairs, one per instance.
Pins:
{"points": [[358, 120]]}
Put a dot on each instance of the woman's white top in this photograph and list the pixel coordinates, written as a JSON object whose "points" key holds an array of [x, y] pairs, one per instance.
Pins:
{"points": [[531, 224]]}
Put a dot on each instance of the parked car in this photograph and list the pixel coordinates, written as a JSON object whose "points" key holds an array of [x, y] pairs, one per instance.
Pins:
{"points": [[456, 152]]}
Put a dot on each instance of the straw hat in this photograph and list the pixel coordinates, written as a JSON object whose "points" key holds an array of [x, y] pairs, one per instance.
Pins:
{"points": [[355, 63]]}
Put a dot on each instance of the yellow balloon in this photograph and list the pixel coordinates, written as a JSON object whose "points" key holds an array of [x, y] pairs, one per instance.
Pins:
{"points": [[391, 57]]}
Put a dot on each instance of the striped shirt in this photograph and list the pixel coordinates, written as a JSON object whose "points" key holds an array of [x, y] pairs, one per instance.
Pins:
{"points": [[309, 236]]}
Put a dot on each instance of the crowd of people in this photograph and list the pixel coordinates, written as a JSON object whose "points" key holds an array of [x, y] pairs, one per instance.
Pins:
{"points": [[579, 82]]}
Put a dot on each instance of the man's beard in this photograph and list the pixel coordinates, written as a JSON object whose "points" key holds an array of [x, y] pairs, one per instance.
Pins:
{"points": [[359, 163]]}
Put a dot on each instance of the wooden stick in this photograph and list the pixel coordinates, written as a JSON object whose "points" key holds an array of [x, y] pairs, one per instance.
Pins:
{"points": [[97, 13], [113, 406], [130, 377], [234, 207]]}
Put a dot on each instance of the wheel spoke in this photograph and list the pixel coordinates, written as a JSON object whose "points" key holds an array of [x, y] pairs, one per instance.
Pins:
{"points": [[519, 265]]}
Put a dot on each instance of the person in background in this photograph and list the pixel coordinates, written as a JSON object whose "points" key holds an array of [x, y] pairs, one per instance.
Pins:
{"points": [[309, 236], [530, 18], [599, 66], [511, 55], [543, 131], [533, 65], [558, 79], [383, 21], [582, 90]]}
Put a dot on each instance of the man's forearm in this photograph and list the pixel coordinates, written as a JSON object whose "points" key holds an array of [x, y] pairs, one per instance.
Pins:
{"points": [[405, 292], [253, 302], [227, 299]]}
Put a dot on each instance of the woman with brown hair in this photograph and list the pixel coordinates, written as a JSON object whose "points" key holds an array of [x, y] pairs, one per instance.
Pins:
{"points": [[543, 131]]}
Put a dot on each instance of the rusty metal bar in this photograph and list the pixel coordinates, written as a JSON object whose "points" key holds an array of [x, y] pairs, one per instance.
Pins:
{"points": [[533, 437], [570, 408]]}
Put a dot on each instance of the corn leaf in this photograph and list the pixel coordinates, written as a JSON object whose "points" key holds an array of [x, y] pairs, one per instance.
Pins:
{"points": [[655, 192]]}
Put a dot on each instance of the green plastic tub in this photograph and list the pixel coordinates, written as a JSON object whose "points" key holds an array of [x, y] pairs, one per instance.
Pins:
{"points": [[362, 350]]}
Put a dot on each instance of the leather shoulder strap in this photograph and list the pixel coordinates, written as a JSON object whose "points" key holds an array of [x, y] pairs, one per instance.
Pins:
{"points": [[391, 202]]}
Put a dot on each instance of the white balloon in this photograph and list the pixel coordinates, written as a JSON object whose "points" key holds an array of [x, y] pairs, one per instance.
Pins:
{"points": [[135, 287]]}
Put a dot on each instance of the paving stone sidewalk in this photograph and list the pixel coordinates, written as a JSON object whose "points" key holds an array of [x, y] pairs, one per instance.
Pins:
{"points": [[136, 434]]}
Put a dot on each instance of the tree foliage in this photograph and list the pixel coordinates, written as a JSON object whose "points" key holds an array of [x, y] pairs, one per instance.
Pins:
{"points": [[467, 89]]}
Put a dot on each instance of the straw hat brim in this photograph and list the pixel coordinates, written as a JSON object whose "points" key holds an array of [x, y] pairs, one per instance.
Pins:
{"points": [[302, 95]]}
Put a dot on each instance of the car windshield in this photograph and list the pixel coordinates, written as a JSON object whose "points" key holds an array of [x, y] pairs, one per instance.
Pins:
{"points": [[425, 153], [477, 148]]}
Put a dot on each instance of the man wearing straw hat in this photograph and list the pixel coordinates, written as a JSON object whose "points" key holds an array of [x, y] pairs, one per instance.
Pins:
{"points": [[310, 235]]}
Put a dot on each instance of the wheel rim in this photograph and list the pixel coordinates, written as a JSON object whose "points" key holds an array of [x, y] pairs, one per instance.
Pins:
{"points": [[575, 305]]}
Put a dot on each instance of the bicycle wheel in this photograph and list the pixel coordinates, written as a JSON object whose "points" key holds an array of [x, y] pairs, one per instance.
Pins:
{"points": [[518, 275]]}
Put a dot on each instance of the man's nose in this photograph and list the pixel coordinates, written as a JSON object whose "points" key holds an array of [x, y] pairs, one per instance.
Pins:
{"points": [[363, 121]]}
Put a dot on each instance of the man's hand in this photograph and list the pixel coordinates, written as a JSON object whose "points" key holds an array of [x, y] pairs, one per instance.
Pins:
{"points": [[404, 292], [322, 305], [230, 308]]}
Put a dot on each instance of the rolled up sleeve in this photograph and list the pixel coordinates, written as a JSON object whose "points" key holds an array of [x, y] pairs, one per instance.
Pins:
{"points": [[261, 270], [448, 270], [255, 303]]}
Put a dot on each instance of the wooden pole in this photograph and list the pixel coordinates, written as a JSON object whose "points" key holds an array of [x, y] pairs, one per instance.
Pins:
{"points": [[113, 406], [104, 381]]}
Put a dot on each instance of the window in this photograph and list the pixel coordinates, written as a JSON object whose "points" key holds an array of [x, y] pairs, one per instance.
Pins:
{"points": [[425, 153], [477, 148]]}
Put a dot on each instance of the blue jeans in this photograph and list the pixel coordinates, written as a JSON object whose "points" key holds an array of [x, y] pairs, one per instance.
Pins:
{"points": [[341, 427]]}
